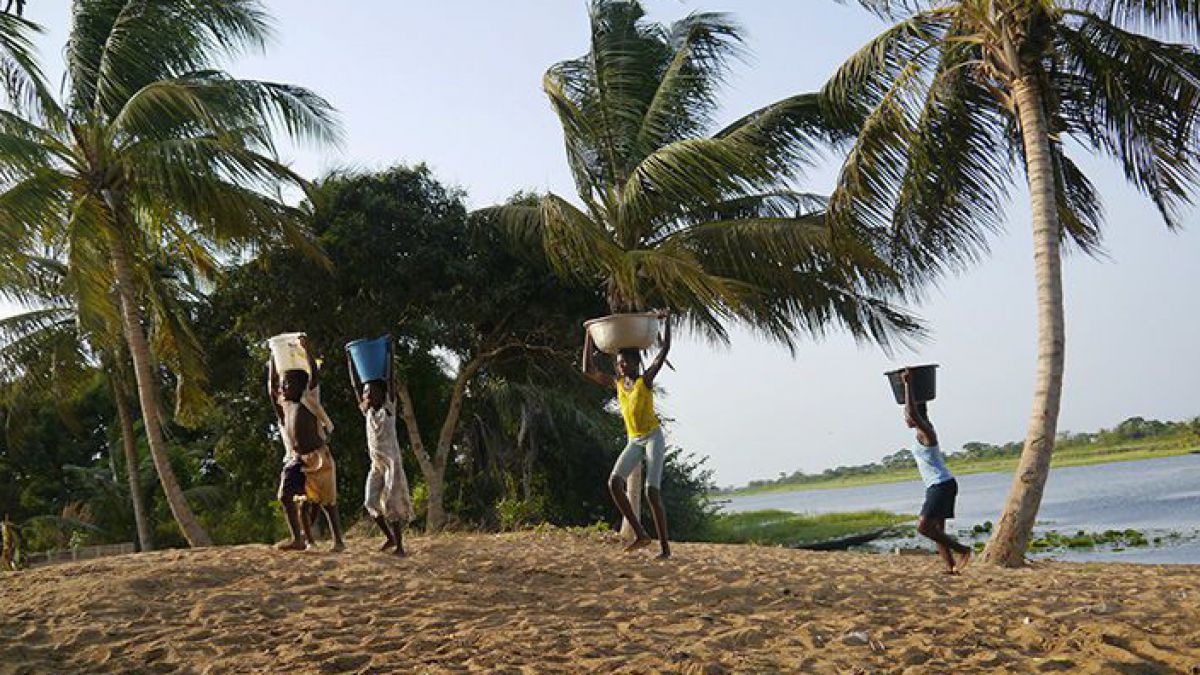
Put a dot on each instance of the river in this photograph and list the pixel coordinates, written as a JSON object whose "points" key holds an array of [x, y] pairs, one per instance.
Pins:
{"points": [[1156, 496]]}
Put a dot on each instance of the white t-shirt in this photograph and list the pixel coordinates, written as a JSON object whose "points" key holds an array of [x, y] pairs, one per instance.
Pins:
{"points": [[932, 464]]}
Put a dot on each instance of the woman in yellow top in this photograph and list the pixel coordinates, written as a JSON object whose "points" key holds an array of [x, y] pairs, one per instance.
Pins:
{"points": [[635, 393]]}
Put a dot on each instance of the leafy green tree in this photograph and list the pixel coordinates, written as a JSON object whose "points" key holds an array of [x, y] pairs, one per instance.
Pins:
{"points": [[957, 95], [55, 348], [154, 146], [463, 309]]}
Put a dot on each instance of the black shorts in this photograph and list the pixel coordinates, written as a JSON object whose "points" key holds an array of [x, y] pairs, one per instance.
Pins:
{"points": [[291, 481], [939, 500]]}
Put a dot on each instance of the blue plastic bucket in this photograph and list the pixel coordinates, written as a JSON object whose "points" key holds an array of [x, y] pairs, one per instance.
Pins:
{"points": [[370, 357]]}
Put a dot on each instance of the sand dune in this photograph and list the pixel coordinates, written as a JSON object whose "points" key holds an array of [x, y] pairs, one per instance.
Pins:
{"points": [[564, 603]]}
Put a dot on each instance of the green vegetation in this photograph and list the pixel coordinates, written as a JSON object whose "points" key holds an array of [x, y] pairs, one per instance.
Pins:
{"points": [[1134, 439], [1116, 539], [535, 444], [784, 528]]}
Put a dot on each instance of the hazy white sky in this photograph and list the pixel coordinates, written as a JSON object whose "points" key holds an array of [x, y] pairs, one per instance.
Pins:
{"points": [[456, 84]]}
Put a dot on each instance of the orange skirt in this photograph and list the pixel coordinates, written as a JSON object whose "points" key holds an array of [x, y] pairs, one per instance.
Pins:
{"points": [[320, 477]]}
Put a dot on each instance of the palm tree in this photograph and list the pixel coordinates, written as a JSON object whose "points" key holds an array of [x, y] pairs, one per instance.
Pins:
{"points": [[957, 94], [53, 347], [675, 214], [154, 147]]}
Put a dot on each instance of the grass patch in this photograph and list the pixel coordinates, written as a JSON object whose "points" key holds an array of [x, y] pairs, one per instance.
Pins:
{"points": [[784, 528]]}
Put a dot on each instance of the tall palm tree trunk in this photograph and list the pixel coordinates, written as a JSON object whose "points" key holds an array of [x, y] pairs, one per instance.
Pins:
{"points": [[1015, 527], [139, 350], [125, 416]]}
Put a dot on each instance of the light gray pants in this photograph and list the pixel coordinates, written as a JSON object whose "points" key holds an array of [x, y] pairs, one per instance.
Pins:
{"points": [[652, 447]]}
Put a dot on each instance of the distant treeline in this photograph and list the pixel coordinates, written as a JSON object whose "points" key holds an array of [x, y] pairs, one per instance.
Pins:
{"points": [[1132, 429]]}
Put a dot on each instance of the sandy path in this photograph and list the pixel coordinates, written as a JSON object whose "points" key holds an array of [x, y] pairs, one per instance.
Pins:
{"points": [[557, 602]]}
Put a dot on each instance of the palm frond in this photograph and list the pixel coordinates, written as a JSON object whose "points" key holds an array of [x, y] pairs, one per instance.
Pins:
{"points": [[22, 83], [117, 47], [1174, 17], [685, 99], [1137, 100]]}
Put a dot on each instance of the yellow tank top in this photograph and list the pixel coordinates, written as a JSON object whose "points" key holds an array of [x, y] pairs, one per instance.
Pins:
{"points": [[637, 408]]}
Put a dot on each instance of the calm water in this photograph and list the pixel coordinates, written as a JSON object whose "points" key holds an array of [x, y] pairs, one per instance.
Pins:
{"points": [[1156, 496]]}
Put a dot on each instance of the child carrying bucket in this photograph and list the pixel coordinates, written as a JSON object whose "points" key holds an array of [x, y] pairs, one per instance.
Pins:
{"points": [[373, 377], [635, 394], [308, 475], [941, 488]]}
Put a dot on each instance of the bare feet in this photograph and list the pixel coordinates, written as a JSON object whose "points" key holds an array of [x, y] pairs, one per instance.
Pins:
{"points": [[292, 545], [962, 560], [663, 556], [639, 543], [399, 552], [337, 547], [390, 543]]}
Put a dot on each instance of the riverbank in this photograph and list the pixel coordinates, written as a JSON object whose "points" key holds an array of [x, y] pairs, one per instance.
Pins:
{"points": [[1086, 456], [556, 602]]}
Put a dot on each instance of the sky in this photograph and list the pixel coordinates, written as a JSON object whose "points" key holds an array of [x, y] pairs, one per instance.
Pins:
{"points": [[456, 84]]}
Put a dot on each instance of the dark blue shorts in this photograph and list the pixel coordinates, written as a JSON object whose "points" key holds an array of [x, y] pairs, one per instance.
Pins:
{"points": [[291, 481], [939, 500]]}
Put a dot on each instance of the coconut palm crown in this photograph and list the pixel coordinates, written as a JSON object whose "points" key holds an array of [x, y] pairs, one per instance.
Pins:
{"points": [[676, 215]]}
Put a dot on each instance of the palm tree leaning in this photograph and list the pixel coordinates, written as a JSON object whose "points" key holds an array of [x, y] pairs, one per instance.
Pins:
{"points": [[957, 94], [674, 214], [58, 344], [155, 147]]}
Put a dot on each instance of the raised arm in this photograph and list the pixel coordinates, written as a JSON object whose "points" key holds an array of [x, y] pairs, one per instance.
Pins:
{"points": [[355, 383], [925, 432], [590, 371], [314, 373], [652, 372], [391, 372], [273, 390]]}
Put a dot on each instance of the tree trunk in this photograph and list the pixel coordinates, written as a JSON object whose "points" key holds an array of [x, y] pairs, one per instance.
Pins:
{"points": [[145, 543], [435, 475], [1014, 528], [147, 389], [435, 505]]}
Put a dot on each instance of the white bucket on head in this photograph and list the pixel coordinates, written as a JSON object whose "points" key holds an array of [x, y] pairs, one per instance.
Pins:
{"points": [[288, 353], [615, 332]]}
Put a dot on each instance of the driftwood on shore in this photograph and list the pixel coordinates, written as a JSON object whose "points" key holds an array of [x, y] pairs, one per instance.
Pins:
{"points": [[843, 543]]}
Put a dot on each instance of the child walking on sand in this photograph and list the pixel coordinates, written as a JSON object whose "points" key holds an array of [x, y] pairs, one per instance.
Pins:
{"points": [[635, 394], [941, 489], [309, 475], [387, 499]]}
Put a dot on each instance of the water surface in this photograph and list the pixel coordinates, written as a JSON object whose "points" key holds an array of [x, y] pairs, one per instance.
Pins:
{"points": [[1156, 496]]}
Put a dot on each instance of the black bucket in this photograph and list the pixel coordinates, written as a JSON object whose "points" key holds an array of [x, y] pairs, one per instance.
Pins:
{"points": [[924, 383]]}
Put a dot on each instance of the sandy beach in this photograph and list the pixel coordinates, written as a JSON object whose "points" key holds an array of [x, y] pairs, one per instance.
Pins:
{"points": [[558, 602]]}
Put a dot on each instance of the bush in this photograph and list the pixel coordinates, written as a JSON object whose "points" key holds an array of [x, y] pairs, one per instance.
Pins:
{"points": [[687, 482], [518, 514]]}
